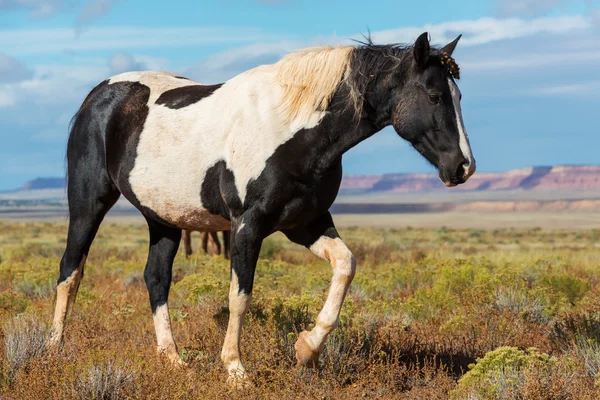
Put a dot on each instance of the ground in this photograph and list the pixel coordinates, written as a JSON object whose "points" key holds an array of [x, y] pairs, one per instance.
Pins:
{"points": [[432, 313]]}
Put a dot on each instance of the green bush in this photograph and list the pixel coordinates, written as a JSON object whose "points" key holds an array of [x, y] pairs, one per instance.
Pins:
{"points": [[572, 288], [501, 373]]}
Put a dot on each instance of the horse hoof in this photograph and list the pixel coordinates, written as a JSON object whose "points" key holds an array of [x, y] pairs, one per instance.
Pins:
{"points": [[305, 355], [53, 343], [173, 357], [238, 380], [178, 362]]}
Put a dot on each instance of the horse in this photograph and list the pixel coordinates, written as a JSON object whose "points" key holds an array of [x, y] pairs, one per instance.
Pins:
{"points": [[214, 238], [257, 154]]}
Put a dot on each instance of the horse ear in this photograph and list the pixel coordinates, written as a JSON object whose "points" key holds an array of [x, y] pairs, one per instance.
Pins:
{"points": [[449, 48], [421, 50]]}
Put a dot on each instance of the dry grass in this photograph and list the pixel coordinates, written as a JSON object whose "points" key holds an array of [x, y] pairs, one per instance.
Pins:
{"points": [[425, 304], [105, 381], [24, 341]]}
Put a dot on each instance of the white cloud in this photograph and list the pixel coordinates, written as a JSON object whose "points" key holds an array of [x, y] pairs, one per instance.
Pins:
{"points": [[52, 41], [44, 8], [7, 98], [12, 70], [92, 10], [52, 86], [572, 89], [476, 32], [486, 30], [123, 62], [222, 66], [526, 8], [152, 63], [528, 60], [38, 8], [596, 16]]}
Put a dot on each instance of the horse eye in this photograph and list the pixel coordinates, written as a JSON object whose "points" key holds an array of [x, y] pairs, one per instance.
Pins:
{"points": [[435, 98]]}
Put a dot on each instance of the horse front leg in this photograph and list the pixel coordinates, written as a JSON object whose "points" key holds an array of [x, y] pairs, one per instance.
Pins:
{"points": [[245, 247], [321, 237]]}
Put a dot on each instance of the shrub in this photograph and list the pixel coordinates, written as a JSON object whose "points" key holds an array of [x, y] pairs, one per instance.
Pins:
{"points": [[577, 326], [290, 316], [572, 288], [500, 374], [588, 350], [24, 340], [105, 381], [519, 302]]}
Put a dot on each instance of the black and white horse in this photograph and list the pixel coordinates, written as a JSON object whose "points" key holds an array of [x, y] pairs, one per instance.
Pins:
{"points": [[258, 154]]}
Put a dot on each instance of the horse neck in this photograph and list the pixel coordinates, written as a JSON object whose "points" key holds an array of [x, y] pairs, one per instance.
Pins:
{"points": [[339, 131]]}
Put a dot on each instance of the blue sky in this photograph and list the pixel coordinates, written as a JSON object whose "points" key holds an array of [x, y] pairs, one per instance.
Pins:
{"points": [[530, 68]]}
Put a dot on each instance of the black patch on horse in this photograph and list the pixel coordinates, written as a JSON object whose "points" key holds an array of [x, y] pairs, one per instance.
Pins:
{"points": [[219, 193], [186, 95]]}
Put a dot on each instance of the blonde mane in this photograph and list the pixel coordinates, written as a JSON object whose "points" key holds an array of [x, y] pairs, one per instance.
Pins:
{"points": [[310, 78]]}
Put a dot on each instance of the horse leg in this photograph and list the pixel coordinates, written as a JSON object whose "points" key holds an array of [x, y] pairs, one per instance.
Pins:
{"points": [[187, 242], [164, 243], [226, 239], [323, 240], [245, 247], [205, 242], [214, 236], [91, 194]]}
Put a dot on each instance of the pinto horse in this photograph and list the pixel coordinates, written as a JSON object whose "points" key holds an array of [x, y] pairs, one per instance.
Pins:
{"points": [[257, 154], [214, 238]]}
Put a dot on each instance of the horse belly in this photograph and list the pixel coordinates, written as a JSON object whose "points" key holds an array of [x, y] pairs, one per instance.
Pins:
{"points": [[174, 198], [197, 220]]}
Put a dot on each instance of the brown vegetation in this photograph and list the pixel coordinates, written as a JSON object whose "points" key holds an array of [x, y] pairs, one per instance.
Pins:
{"points": [[424, 306]]}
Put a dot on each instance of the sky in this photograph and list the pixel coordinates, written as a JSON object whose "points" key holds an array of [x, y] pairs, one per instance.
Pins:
{"points": [[530, 69]]}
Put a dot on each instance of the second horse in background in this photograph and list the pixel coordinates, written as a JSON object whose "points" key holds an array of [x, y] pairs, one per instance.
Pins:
{"points": [[214, 238]]}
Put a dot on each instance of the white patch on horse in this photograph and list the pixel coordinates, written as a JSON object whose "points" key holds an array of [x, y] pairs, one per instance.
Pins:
{"points": [[230, 354], [66, 291], [310, 343], [242, 225], [164, 334], [464, 144], [243, 123]]}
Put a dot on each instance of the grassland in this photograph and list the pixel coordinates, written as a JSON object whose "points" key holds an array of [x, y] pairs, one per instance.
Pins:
{"points": [[433, 313]]}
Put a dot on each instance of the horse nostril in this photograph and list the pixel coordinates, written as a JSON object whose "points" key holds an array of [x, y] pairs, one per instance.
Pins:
{"points": [[463, 170]]}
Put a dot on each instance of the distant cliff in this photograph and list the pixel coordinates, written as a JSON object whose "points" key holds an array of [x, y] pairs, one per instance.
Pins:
{"points": [[585, 177], [535, 189], [571, 178], [44, 183]]}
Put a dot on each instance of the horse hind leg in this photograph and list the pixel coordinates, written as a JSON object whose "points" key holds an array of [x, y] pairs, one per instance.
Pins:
{"points": [[214, 236], [226, 244], [164, 243], [91, 194], [204, 242], [187, 242]]}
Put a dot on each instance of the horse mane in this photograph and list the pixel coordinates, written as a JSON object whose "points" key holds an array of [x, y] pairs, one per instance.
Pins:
{"points": [[310, 77]]}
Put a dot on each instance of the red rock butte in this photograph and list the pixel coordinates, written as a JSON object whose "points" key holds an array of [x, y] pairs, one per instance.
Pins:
{"points": [[560, 177]]}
